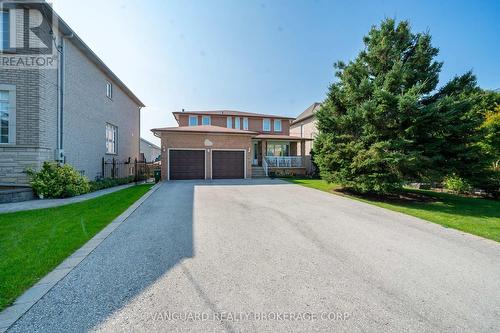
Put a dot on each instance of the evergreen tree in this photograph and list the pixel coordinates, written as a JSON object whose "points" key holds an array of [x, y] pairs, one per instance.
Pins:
{"points": [[383, 122]]}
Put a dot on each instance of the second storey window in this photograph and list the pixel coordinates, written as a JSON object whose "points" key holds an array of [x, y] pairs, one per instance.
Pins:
{"points": [[277, 125], [111, 139], [266, 125], [205, 120], [4, 116], [193, 120], [237, 122], [245, 124], [4, 30], [229, 123], [109, 90]]}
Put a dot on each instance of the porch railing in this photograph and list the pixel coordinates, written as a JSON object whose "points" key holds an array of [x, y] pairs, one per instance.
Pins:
{"points": [[284, 162]]}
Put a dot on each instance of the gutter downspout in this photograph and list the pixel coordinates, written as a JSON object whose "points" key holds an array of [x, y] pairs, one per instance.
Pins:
{"points": [[60, 100]]}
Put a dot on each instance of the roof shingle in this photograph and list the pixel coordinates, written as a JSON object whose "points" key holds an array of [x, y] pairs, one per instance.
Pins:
{"points": [[309, 112]]}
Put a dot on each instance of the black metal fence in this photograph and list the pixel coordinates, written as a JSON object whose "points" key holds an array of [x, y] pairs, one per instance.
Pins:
{"points": [[139, 170]]}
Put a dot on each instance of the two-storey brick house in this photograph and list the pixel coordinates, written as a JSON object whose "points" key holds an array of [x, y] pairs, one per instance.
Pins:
{"points": [[229, 144], [76, 112]]}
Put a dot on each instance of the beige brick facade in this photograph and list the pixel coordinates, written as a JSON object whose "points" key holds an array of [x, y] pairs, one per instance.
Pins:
{"points": [[305, 129], [208, 142]]}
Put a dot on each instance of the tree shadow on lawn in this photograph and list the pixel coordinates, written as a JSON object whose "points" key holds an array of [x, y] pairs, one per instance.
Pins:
{"points": [[434, 202]]}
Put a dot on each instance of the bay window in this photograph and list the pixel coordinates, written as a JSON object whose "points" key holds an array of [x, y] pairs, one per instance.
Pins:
{"points": [[245, 124], [237, 122], [229, 122]]}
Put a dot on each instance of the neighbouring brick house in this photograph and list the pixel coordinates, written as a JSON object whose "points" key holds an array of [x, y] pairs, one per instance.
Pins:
{"points": [[229, 144], [76, 113], [304, 126]]}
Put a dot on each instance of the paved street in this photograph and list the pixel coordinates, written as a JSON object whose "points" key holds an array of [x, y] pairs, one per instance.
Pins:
{"points": [[280, 258]]}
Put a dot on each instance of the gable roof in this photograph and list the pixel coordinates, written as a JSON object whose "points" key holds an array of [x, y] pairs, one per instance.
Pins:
{"points": [[203, 129], [150, 143], [80, 44], [309, 112], [227, 113]]}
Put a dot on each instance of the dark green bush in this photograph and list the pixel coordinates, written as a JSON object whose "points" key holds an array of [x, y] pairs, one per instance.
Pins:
{"points": [[58, 181], [109, 182]]}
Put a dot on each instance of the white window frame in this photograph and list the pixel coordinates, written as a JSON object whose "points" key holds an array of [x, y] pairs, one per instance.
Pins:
{"points": [[109, 90], [264, 121], [11, 89], [237, 122], [276, 122], [229, 122], [114, 140], [193, 117], [203, 118], [245, 124]]}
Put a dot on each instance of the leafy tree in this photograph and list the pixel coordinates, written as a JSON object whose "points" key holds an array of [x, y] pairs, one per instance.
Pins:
{"points": [[490, 142], [383, 122]]}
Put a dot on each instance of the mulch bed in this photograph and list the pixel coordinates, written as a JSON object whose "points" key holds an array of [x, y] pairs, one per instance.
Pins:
{"points": [[403, 197]]}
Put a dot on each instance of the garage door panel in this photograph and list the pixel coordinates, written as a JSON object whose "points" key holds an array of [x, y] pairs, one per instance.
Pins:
{"points": [[228, 164], [187, 164]]}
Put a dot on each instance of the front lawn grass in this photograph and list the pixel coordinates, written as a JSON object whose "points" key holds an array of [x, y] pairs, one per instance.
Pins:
{"points": [[32, 243], [477, 216]]}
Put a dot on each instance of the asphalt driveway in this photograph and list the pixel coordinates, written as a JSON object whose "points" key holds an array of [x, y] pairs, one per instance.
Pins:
{"points": [[272, 256]]}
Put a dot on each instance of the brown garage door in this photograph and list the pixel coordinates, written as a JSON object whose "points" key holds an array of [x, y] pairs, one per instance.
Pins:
{"points": [[187, 164], [228, 164]]}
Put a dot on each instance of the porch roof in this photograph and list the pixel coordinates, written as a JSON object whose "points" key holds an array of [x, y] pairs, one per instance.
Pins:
{"points": [[280, 137]]}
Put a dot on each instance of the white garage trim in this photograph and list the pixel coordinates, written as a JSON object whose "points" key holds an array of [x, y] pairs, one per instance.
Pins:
{"points": [[168, 159], [244, 160]]}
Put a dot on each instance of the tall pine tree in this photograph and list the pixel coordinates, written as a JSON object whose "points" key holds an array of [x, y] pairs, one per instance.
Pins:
{"points": [[383, 122]]}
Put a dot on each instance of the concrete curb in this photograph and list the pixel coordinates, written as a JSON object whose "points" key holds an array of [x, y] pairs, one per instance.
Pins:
{"points": [[31, 296]]}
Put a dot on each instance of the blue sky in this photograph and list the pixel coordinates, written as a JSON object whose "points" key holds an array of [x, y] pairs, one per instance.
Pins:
{"points": [[264, 56]]}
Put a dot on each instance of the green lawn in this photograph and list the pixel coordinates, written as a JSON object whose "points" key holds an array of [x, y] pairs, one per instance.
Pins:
{"points": [[473, 215], [32, 243]]}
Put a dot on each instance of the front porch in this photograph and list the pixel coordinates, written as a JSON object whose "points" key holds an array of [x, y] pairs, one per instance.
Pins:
{"points": [[279, 157]]}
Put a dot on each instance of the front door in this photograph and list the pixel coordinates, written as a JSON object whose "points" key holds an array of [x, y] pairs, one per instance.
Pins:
{"points": [[255, 153]]}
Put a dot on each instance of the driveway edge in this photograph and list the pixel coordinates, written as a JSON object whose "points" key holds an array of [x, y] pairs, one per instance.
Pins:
{"points": [[30, 297]]}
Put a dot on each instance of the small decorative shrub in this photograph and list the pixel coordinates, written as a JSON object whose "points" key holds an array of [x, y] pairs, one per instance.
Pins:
{"points": [[456, 184], [109, 182], [58, 181]]}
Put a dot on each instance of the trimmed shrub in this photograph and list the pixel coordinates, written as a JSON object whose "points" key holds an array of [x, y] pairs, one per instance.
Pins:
{"points": [[109, 182], [58, 181], [457, 184]]}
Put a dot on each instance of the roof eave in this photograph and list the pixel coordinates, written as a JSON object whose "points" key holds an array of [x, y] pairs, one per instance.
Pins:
{"points": [[80, 44], [296, 121]]}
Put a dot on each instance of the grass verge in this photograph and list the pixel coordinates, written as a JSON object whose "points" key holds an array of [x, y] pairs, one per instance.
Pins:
{"points": [[477, 216], [33, 243]]}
